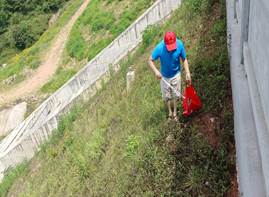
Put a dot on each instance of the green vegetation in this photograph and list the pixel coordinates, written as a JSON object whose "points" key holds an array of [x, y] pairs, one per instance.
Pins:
{"points": [[58, 80], [116, 143], [30, 57], [99, 25], [11, 176], [23, 22]]}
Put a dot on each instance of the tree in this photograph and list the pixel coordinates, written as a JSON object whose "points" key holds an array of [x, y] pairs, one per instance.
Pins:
{"points": [[3, 21], [3, 18], [23, 21], [27, 32]]}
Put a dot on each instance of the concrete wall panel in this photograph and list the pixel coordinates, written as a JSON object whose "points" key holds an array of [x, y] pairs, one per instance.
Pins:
{"points": [[250, 92], [258, 42]]}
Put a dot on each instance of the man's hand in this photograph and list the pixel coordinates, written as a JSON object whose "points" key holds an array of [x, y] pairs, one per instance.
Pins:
{"points": [[188, 78], [188, 74], [154, 69], [158, 75]]}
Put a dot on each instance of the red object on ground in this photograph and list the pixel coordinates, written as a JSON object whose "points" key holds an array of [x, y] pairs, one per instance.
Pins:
{"points": [[191, 101]]}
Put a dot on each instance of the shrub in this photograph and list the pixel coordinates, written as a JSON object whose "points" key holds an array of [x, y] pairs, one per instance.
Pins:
{"points": [[102, 20], [52, 5], [27, 32], [76, 46], [148, 36], [198, 6], [3, 21]]}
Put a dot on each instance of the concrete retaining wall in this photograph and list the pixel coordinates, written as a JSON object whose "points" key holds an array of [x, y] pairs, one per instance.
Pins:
{"points": [[24, 141], [248, 33]]}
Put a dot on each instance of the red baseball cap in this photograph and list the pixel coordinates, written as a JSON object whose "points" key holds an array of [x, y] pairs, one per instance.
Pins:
{"points": [[170, 40]]}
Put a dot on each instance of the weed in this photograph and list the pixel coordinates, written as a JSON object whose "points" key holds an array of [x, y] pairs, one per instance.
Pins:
{"points": [[148, 37], [78, 48], [198, 6], [102, 20], [132, 145]]}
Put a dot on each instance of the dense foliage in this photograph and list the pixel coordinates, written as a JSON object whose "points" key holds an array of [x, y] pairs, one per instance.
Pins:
{"points": [[22, 22]]}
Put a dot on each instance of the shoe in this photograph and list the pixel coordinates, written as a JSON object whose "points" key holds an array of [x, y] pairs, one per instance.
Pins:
{"points": [[175, 118], [170, 117]]}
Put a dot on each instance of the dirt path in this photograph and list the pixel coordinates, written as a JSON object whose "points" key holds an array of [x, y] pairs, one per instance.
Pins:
{"points": [[47, 68]]}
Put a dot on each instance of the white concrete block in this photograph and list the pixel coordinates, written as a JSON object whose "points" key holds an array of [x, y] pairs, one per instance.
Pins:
{"points": [[11, 117]]}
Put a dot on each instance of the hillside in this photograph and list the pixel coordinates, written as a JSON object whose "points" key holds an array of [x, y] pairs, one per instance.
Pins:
{"points": [[43, 68], [22, 65], [100, 24], [22, 23], [48, 66], [121, 144]]}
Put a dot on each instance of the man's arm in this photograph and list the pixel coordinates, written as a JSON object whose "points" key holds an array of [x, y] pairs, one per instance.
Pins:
{"points": [[186, 67], [154, 69]]}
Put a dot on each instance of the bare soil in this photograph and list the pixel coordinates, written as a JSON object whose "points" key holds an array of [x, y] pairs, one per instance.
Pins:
{"points": [[207, 125]]}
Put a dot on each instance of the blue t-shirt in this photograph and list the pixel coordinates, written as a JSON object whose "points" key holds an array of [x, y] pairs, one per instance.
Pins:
{"points": [[170, 61]]}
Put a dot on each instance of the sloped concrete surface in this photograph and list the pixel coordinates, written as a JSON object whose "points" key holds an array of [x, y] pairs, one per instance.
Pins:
{"points": [[11, 117], [247, 28]]}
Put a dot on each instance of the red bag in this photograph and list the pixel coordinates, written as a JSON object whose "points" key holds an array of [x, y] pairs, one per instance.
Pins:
{"points": [[191, 101]]}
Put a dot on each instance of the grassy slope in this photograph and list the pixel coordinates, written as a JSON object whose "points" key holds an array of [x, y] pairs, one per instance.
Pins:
{"points": [[30, 58], [115, 144], [99, 25]]}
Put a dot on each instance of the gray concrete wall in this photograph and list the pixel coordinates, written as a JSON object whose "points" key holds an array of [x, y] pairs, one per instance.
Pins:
{"points": [[24, 141], [248, 33], [258, 41]]}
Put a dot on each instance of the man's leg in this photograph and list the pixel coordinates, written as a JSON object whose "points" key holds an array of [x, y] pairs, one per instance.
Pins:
{"points": [[167, 98], [175, 107], [176, 83], [169, 106]]}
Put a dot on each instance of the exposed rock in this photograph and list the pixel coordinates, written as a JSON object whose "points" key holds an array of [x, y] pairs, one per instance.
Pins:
{"points": [[170, 138], [171, 143], [130, 78], [27, 73], [11, 117], [3, 65], [54, 18], [10, 80]]}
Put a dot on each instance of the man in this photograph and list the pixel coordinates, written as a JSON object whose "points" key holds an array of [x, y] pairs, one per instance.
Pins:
{"points": [[170, 51]]}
